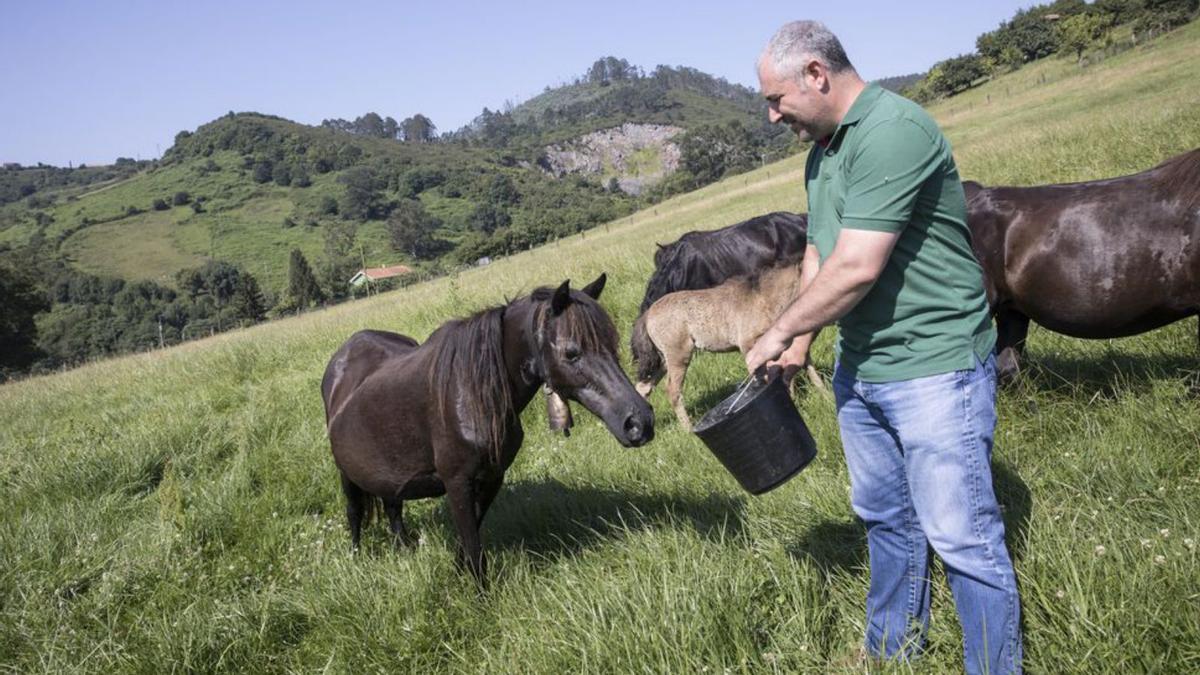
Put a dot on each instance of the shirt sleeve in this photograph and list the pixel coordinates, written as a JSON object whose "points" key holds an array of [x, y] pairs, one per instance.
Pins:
{"points": [[893, 162]]}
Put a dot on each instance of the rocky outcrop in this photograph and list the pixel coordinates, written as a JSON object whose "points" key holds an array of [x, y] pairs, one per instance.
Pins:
{"points": [[637, 155]]}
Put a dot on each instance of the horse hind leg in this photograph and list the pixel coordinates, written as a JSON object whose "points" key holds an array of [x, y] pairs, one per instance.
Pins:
{"points": [[1012, 327], [394, 508], [358, 506]]}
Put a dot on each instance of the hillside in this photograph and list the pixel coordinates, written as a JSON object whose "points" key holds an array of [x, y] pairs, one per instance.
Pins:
{"points": [[179, 509], [112, 229]]}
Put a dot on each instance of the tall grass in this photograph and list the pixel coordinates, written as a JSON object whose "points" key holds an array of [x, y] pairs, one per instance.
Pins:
{"points": [[179, 510]]}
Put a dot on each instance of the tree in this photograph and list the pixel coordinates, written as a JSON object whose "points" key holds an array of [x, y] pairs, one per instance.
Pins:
{"points": [[418, 129], [248, 301], [1076, 33], [501, 191], [302, 289], [951, 76], [160, 204], [370, 124], [1119, 11], [362, 200], [339, 262], [18, 332], [282, 174], [411, 229], [488, 217], [1032, 33], [262, 171], [181, 198], [711, 151], [1164, 15]]}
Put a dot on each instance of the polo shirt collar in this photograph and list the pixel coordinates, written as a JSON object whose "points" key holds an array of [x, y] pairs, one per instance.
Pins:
{"points": [[862, 105]]}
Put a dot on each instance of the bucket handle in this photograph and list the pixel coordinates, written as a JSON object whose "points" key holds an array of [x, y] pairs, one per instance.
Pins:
{"points": [[741, 391]]}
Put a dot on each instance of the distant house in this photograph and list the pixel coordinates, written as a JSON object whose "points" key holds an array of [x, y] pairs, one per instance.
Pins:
{"points": [[373, 274]]}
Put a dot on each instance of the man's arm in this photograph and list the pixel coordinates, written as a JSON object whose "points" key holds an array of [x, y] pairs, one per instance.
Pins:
{"points": [[796, 356], [840, 283]]}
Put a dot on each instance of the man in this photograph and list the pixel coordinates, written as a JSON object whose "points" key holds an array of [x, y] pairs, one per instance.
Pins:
{"points": [[889, 259]]}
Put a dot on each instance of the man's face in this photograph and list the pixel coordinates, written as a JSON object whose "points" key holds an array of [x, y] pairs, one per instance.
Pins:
{"points": [[792, 101]]}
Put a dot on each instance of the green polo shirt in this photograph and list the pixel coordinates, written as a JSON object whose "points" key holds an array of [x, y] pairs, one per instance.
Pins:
{"points": [[888, 168]]}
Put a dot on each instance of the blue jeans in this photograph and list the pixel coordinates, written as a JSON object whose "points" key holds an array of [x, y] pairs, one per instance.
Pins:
{"points": [[919, 454]]}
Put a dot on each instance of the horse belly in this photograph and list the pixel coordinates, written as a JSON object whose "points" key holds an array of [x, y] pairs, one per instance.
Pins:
{"points": [[1101, 293], [385, 452]]}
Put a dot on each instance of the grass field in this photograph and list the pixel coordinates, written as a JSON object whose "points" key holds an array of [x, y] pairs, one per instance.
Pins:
{"points": [[179, 510]]}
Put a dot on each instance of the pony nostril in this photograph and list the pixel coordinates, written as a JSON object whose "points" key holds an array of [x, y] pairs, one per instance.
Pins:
{"points": [[633, 428]]}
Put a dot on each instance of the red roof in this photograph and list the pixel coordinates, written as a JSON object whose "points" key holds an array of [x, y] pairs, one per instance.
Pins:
{"points": [[377, 273]]}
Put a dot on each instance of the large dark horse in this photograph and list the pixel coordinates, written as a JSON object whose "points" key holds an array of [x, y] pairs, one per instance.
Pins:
{"points": [[409, 421], [700, 260], [1101, 259]]}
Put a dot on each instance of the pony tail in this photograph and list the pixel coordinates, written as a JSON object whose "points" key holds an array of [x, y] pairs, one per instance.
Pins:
{"points": [[646, 356]]}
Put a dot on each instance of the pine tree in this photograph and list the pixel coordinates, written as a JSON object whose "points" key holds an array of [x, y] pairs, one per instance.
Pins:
{"points": [[302, 290]]}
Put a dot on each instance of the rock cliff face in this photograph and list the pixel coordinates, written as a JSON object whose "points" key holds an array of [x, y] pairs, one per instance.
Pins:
{"points": [[637, 155]]}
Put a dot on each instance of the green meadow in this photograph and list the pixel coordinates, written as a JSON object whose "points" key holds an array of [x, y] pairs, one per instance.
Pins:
{"points": [[179, 511]]}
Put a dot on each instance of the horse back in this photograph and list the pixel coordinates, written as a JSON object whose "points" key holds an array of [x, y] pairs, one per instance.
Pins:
{"points": [[704, 259], [364, 353]]}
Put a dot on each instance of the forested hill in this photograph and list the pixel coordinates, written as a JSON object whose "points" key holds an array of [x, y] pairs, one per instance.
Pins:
{"points": [[252, 215], [614, 92]]}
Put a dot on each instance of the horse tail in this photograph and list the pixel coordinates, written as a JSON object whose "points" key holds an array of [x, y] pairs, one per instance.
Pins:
{"points": [[646, 355]]}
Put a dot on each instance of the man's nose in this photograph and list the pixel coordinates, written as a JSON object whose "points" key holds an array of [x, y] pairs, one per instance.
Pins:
{"points": [[773, 115]]}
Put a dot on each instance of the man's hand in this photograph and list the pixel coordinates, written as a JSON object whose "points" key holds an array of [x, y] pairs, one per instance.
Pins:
{"points": [[768, 348], [793, 360]]}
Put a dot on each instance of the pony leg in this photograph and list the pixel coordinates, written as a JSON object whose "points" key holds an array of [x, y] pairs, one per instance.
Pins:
{"points": [[461, 493], [356, 507], [1012, 327], [677, 365], [814, 377], [487, 493], [394, 508]]}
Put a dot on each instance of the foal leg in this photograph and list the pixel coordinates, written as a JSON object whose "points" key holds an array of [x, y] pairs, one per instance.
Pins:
{"points": [[814, 377], [356, 508], [677, 365], [1012, 327]]}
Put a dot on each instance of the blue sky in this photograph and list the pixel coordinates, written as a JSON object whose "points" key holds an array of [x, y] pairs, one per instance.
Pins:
{"points": [[91, 81]]}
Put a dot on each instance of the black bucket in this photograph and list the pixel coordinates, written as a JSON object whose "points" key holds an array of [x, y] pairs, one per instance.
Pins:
{"points": [[758, 435]]}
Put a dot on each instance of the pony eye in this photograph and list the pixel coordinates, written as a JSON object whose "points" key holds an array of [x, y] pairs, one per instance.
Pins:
{"points": [[572, 353]]}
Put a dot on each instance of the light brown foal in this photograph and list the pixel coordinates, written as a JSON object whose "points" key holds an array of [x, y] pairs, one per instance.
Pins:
{"points": [[720, 319]]}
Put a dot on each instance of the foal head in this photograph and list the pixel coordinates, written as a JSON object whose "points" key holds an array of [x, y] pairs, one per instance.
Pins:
{"points": [[576, 345]]}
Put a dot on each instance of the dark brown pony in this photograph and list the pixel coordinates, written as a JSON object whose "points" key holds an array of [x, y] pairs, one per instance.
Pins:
{"points": [[1101, 259], [704, 259], [409, 421]]}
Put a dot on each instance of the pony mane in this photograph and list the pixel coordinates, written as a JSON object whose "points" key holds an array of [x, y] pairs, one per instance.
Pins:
{"points": [[583, 320], [1179, 177], [667, 276], [469, 367]]}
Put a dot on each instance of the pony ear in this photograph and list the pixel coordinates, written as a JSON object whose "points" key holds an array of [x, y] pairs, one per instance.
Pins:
{"points": [[562, 298], [593, 289]]}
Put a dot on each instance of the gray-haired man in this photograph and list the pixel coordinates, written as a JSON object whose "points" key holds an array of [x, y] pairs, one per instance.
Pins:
{"points": [[889, 259]]}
